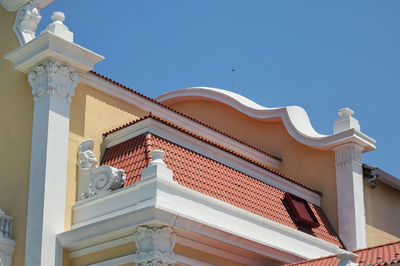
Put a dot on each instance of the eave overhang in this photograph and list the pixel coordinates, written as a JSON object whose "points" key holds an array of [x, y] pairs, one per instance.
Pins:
{"points": [[115, 215]]}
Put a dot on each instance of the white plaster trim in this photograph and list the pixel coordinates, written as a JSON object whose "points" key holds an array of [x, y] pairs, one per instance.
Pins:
{"points": [[50, 46], [295, 119], [190, 210], [187, 141], [350, 196], [166, 114], [129, 258]]}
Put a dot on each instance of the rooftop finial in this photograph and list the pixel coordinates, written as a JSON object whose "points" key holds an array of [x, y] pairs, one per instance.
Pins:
{"points": [[346, 121], [58, 16], [345, 112], [58, 28]]}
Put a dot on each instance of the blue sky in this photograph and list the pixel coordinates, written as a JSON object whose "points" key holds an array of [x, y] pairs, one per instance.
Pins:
{"points": [[320, 55]]}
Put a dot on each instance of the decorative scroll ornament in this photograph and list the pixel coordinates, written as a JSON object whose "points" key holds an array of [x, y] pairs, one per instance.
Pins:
{"points": [[53, 78], [100, 178], [26, 22], [154, 246], [7, 245]]}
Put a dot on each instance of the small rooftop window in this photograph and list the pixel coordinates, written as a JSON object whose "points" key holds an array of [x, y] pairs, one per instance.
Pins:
{"points": [[302, 213]]}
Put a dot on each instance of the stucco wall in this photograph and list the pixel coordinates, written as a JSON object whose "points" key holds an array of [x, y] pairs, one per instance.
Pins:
{"points": [[92, 114], [16, 115], [312, 167], [382, 213]]}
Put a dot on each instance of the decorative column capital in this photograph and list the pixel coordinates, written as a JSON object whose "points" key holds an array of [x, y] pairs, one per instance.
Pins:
{"points": [[154, 246], [53, 78], [348, 153]]}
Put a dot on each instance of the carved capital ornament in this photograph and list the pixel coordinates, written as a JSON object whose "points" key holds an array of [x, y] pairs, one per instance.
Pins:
{"points": [[154, 246], [53, 78]]}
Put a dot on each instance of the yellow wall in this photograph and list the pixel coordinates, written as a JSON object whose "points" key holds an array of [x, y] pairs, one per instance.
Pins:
{"points": [[130, 248], [310, 166], [382, 213], [16, 113], [92, 114]]}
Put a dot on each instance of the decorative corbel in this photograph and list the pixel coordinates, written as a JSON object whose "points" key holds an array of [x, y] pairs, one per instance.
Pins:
{"points": [[97, 179], [26, 22]]}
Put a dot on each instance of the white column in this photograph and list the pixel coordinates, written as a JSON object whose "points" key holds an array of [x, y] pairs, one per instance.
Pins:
{"points": [[349, 184], [53, 86], [52, 61]]}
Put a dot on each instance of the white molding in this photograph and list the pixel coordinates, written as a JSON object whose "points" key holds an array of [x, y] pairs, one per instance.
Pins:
{"points": [[226, 158], [166, 202], [50, 46], [129, 258], [295, 119], [175, 118]]}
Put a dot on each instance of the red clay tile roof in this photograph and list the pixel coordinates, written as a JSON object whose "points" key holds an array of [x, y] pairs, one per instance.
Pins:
{"points": [[385, 254], [212, 178], [150, 115], [180, 113]]}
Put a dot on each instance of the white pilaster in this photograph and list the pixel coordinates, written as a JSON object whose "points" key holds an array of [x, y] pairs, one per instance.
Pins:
{"points": [[349, 184], [53, 63], [53, 85]]}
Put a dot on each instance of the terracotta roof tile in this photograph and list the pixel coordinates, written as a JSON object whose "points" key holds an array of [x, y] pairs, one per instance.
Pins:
{"points": [[180, 113], [212, 178], [380, 255], [150, 115]]}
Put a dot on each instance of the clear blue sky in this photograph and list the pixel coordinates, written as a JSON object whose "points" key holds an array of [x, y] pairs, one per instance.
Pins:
{"points": [[320, 55]]}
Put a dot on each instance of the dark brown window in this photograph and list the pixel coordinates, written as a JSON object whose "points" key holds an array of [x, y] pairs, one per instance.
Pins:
{"points": [[301, 211]]}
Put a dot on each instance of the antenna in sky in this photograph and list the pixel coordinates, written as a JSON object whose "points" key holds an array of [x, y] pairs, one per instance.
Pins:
{"points": [[233, 72]]}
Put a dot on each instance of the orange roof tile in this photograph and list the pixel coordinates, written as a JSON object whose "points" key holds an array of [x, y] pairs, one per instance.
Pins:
{"points": [[380, 255], [150, 115], [214, 179]]}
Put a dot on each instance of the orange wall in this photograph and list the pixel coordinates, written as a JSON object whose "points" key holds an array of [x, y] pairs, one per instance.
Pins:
{"points": [[312, 167]]}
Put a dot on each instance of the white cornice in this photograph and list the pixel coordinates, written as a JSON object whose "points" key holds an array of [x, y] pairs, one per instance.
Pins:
{"points": [[147, 105], [104, 218], [295, 119], [226, 158], [50, 46]]}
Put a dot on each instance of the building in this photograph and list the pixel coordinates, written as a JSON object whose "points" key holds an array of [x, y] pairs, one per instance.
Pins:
{"points": [[96, 173]]}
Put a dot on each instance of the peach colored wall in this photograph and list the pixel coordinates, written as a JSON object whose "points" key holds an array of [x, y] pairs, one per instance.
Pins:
{"points": [[16, 115], [312, 167], [383, 221]]}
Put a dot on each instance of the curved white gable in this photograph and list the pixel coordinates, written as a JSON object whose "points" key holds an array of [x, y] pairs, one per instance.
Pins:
{"points": [[294, 118]]}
